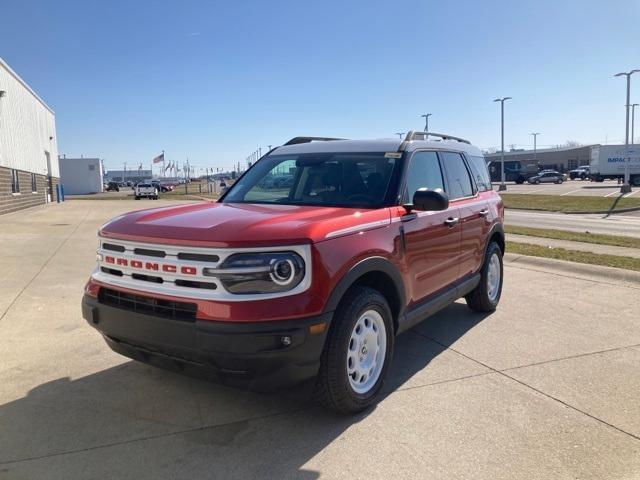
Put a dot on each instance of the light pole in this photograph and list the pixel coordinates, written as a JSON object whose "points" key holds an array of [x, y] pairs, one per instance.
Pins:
{"points": [[626, 187], [535, 147], [633, 121], [502, 100], [426, 121], [400, 134]]}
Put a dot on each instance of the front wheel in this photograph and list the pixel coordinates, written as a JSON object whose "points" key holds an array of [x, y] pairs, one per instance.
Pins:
{"points": [[357, 354], [485, 297]]}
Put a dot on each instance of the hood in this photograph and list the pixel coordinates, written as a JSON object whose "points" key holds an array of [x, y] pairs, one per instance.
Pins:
{"points": [[241, 225]]}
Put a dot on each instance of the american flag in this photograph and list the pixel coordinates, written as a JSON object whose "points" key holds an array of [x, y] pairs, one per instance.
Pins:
{"points": [[159, 158]]}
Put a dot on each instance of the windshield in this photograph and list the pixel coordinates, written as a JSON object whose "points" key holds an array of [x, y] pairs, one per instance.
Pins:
{"points": [[360, 180]]}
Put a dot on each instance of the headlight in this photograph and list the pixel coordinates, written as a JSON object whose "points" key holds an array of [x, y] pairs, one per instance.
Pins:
{"points": [[246, 273]]}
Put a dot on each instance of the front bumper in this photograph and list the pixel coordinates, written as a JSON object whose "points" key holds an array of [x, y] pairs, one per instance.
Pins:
{"points": [[252, 355]]}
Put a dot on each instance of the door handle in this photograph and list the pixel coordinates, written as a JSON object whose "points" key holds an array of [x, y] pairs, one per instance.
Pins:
{"points": [[484, 213], [451, 222]]}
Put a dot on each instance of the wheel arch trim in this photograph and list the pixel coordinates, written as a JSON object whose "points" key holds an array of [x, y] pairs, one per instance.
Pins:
{"points": [[367, 265]]}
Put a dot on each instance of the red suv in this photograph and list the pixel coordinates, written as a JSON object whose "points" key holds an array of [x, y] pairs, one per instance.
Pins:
{"points": [[308, 266]]}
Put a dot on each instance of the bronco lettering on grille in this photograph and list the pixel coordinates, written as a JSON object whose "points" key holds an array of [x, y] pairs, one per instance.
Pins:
{"points": [[153, 266]]}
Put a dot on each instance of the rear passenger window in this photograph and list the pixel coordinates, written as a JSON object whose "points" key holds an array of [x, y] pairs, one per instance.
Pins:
{"points": [[457, 175], [424, 171], [480, 173]]}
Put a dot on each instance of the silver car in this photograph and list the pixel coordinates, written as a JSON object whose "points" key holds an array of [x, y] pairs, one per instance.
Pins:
{"points": [[548, 177]]}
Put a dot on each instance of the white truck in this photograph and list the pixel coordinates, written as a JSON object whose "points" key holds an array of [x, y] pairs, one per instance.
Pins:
{"points": [[146, 190], [610, 162]]}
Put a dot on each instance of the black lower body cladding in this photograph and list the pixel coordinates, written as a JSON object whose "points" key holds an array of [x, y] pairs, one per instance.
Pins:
{"points": [[260, 355]]}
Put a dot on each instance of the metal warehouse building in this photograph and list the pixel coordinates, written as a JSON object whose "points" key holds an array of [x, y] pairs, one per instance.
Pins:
{"points": [[29, 169]]}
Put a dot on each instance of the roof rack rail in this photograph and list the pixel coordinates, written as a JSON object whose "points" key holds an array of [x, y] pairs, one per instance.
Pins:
{"points": [[298, 140], [411, 135]]}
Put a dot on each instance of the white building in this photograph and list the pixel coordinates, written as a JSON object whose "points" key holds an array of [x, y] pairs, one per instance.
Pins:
{"points": [[80, 175], [28, 146]]}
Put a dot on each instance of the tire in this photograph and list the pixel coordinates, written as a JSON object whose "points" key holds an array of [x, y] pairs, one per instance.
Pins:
{"points": [[137, 197], [335, 384], [485, 298]]}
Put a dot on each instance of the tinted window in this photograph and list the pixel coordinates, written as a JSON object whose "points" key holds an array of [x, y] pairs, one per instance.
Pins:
{"points": [[424, 171], [15, 182], [480, 173], [324, 179], [457, 175]]}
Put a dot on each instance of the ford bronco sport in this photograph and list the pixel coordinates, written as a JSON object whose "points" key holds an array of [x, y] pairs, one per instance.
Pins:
{"points": [[310, 277]]}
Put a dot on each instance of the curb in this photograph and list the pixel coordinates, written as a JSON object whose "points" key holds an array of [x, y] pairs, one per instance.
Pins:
{"points": [[612, 273]]}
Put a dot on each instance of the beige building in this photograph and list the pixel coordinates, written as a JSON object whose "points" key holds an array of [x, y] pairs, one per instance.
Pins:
{"points": [[561, 159]]}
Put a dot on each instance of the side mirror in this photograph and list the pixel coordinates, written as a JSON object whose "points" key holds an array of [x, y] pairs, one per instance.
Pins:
{"points": [[430, 200]]}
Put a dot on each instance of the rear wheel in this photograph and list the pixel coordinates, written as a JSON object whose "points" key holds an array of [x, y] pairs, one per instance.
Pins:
{"points": [[485, 297], [357, 354]]}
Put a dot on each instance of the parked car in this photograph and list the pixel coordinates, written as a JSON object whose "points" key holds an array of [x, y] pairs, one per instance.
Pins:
{"points": [[146, 190], [266, 290], [161, 187], [581, 173], [112, 187], [548, 176]]}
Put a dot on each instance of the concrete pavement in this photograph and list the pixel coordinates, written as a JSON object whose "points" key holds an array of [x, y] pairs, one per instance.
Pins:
{"points": [[619, 224], [546, 387]]}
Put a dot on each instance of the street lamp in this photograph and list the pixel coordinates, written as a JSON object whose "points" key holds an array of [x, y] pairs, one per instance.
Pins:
{"points": [[502, 100], [626, 187], [426, 121], [535, 149], [400, 134], [633, 121]]}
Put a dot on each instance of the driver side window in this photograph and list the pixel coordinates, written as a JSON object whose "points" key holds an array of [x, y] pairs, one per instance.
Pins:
{"points": [[424, 171]]}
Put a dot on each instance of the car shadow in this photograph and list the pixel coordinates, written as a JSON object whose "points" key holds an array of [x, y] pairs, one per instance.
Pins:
{"points": [[67, 427]]}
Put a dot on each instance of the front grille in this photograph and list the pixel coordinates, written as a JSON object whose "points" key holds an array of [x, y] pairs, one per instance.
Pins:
{"points": [[199, 257], [113, 247], [149, 253], [182, 311]]}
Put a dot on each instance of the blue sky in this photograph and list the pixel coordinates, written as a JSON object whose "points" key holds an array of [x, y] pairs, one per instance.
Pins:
{"points": [[213, 80]]}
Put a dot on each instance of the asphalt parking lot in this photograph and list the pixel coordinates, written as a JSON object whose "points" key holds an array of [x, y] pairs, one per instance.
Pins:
{"points": [[608, 188], [546, 387]]}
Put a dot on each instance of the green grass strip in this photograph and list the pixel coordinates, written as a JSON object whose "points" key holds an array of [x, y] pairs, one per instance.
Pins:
{"points": [[557, 203], [627, 263]]}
